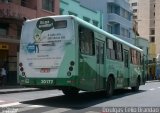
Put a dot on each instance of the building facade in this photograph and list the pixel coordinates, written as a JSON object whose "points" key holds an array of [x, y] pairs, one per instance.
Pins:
{"points": [[117, 17], [73, 7], [146, 14], [157, 26], [12, 15], [143, 44]]}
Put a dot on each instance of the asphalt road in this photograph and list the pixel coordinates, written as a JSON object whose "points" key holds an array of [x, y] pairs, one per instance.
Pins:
{"points": [[53, 101]]}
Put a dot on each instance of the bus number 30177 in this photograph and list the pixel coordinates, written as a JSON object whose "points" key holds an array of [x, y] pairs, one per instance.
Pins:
{"points": [[46, 81]]}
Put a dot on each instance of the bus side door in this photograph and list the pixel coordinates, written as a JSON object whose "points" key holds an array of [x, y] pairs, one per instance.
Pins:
{"points": [[100, 64], [126, 68]]}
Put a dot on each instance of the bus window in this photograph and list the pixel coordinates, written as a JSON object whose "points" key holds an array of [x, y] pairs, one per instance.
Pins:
{"points": [[110, 49], [86, 41], [135, 57], [126, 62], [118, 51], [100, 52]]}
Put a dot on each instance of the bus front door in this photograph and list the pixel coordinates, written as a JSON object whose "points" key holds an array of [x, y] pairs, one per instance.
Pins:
{"points": [[100, 64]]}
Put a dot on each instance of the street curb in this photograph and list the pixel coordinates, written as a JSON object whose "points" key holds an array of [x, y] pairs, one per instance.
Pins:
{"points": [[7, 91]]}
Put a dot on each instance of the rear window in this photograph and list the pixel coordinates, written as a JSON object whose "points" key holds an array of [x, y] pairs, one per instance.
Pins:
{"points": [[60, 24]]}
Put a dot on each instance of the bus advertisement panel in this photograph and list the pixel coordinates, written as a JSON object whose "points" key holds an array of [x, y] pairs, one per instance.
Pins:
{"points": [[43, 46]]}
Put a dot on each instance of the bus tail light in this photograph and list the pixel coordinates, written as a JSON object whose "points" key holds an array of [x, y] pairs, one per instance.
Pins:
{"points": [[69, 73], [23, 74], [72, 63], [20, 64], [22, 69], [70, 68]]}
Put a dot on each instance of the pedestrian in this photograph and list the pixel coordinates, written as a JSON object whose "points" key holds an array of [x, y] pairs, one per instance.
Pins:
{"points": [[3, 75], [0, 76]]}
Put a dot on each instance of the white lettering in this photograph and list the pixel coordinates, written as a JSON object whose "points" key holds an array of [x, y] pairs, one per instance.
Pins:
{"points": [[46, 81]]}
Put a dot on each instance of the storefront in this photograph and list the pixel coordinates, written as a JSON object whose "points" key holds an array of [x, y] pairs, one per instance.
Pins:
{"points": [[4, 48], [8, 59]]}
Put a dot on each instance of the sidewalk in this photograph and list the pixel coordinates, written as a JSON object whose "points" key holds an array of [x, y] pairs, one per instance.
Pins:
{"points": [[150, 81], [16, 89]]}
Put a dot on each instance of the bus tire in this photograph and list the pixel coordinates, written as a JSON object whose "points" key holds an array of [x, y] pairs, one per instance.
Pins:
{"points": [[136, 88], [110, 87], [70, 91]]}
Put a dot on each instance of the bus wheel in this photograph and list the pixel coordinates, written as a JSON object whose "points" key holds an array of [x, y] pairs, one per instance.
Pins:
{"points": [[70, 91], [136, 88], [110, 87]]}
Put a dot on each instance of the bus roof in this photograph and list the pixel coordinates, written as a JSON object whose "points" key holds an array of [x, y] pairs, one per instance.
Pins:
{"points": [[108, 35]]}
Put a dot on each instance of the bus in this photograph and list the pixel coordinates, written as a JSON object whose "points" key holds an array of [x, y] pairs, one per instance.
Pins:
{"points": [[64, 52]]}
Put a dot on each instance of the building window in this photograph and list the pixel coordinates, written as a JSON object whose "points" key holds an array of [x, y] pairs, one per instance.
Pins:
{"points": [[110, 8], [152, 32], [86, 19], [5, 1], [3, 29], [110, 29], [152, 39], [126, 15], [61, 11], [3, 32], [134, 10], [48, 5], [125, 32], [71, 13], [134, 4], [135, 17], [95, 23], [23, 3]]}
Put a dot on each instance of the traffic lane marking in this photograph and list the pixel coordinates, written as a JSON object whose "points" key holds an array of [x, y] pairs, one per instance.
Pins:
{"points": [[2, 101], [9, 104], [58, 110], [152, 89]]}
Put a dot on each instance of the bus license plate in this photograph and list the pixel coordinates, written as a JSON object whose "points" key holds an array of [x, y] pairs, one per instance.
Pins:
{"points": [[45, 70]]}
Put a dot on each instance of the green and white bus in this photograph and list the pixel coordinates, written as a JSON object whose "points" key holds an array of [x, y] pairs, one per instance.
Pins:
{"points": [[64, 52]]}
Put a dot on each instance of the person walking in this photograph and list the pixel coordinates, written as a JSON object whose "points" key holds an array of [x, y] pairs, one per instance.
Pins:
{"points": [[3, 75]]}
